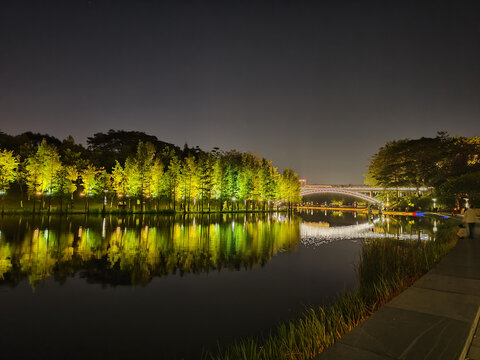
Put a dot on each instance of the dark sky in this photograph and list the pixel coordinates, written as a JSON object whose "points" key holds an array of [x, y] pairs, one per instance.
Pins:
{"points": [[318, 86]]}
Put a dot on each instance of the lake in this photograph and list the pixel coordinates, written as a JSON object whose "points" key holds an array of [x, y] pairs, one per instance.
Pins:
{"points": [[166, 287]]}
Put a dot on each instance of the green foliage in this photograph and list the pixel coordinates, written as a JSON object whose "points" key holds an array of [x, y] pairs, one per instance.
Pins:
{"points": [[42, 169], [454, 189], [8, 166], [119, 182], [65, 183], [90, 181], [152, 171], [444, 162], [289, 187]]}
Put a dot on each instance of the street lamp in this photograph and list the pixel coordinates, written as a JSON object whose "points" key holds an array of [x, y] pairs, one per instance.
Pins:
{"points": [[466, 202], [104, 200], [434, 204]]}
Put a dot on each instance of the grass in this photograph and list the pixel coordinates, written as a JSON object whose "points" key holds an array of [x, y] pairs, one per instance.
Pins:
{"points": [[386, 268]]}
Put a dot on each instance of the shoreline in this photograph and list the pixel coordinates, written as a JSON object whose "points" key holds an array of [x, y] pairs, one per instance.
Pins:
{"points": [[135, 212]]}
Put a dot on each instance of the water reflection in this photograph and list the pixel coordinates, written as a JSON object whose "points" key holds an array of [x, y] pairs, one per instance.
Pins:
{"points": [[133, 250], [321, 227]]}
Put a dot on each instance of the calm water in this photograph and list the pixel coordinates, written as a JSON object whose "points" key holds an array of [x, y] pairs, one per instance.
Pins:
{"points": [[164, 287]]}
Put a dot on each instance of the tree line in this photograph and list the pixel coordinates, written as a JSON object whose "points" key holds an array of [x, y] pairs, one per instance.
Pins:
{"points": [[135, 171], [449, 164]]}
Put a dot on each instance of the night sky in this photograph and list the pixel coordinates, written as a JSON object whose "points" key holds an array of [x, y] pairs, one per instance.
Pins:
{"points": [[316, 86]]}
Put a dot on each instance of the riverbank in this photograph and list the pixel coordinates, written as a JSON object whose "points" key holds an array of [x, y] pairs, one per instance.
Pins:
{"points": [[387, 267], [138, 212], [366, 210]]}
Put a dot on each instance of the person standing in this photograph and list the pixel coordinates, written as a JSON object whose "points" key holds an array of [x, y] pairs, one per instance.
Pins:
{"points": [[470, 218]]}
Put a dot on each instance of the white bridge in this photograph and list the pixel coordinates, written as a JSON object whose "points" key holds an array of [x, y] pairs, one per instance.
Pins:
{"points": [[363, 192]]}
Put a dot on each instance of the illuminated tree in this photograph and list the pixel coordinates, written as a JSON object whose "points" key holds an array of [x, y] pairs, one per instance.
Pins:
{"points": [[104, 185], [233, 161], [8, 166], [51, 167], [270, 180], [119, 182], [133, 179], [244, 180], [157, 181], [173, 178], [33, 178], [289, 187], [205, 179], [90, 183], [42, 169], [258, 191], [218, 190], [188, 181], [144, 162], [66, 183]]}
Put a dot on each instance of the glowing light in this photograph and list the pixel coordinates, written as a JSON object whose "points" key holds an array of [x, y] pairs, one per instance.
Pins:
{"points": [[317, 235]]}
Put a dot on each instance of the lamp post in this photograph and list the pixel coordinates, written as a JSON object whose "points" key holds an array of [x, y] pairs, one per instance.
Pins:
{"points": [[2, 194], [434, 204], [466, 203], [104, 201]]}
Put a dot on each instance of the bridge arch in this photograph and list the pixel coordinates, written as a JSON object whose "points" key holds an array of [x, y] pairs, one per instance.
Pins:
{"points": [[332, 190]]}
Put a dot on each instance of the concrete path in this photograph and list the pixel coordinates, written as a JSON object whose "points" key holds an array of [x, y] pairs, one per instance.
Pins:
{"points": [[435, 319]]}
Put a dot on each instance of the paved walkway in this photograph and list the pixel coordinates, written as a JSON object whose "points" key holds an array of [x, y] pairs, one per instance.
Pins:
{"points": [[435, 319]]}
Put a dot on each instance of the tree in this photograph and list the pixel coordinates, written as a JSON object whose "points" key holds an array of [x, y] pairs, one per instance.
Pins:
{"points": [[51, 167], [453, 191], [8, 172], [66, 183], [188, 181], [157, 181], [42, 169], [218, 190], [289, 187], [440, 162], [133, 179], [205, 179], [119, 181], [173, 178], [144, 162], [118, 145], [90, 183]]}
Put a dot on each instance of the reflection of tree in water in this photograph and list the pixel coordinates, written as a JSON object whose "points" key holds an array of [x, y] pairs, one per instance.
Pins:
{"points": [[133, 250]]}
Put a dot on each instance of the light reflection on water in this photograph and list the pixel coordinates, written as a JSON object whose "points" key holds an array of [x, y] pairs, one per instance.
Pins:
{"points": [[143, 246], [175, 284], [324, 228]]}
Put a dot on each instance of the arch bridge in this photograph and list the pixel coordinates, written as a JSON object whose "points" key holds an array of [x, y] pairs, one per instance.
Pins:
{"points": [[363, 192]]}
